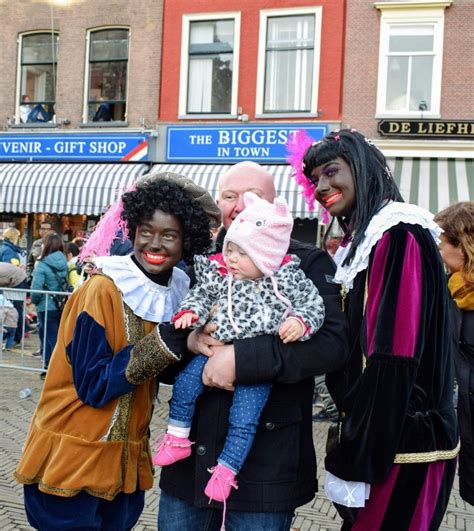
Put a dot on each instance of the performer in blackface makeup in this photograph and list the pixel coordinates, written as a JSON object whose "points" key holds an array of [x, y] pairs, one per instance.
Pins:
{"points": [[393, 466], [86, 462]]}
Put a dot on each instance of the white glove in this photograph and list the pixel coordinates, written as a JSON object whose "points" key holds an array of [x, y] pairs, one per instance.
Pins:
{"points": [[347, 493]]}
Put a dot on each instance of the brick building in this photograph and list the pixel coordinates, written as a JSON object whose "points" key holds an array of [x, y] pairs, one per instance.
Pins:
{"points": [[239, 76], [79, 94], [409, 84], [133, 40]]}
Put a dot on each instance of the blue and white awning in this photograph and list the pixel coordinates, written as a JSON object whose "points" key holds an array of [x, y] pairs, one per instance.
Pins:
{"points": [[64, 188], [207, 176]]}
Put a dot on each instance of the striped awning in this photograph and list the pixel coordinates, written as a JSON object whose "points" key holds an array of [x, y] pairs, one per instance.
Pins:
{"points": [[434, 183], [64, 188], [207, 176], [54, 188]]}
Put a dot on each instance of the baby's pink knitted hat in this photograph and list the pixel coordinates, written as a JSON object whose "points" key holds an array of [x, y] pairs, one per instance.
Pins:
{"points": [[263, 231]]}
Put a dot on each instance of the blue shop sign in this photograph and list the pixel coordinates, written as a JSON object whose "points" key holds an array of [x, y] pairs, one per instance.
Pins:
{"points": [[260, 143], [74, 147]]}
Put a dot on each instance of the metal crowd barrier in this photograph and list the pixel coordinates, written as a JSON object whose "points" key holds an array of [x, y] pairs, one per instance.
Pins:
{"points": [[20, 357]]}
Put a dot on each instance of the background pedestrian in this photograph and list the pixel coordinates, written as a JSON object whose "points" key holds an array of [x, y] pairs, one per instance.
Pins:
{"points": [[50, 274], [457, 252]]}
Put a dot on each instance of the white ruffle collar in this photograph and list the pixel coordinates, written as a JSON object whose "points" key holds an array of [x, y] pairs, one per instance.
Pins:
{"points": [[387, 217], [146, 299]]}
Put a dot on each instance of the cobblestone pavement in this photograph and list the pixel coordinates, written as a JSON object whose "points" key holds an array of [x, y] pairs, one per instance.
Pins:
{"points": [[15, 414]]}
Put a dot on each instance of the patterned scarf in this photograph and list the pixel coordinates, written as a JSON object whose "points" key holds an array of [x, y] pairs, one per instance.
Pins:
{"points": [[462, 294]]}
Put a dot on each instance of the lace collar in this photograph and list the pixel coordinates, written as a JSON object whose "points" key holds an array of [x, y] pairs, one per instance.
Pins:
{"points": [[387, 217], [146, 299]]}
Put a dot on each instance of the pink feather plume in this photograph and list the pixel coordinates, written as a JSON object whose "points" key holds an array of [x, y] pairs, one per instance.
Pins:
{"points": [[296, 148], [109, 227]]}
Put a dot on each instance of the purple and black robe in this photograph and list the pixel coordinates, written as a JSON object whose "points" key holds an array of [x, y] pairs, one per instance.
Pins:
{"points": [[399, 429]]}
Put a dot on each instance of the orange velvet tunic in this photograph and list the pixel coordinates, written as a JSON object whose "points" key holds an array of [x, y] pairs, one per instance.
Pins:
{"points": [[72, 446]]}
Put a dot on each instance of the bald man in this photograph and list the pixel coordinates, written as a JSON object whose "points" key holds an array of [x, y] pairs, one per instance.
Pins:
{"points": [[242, 177], [279, 474]]}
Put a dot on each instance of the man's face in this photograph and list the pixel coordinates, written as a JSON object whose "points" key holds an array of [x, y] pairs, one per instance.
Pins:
{"points": [[231, 194], [44, 229]]}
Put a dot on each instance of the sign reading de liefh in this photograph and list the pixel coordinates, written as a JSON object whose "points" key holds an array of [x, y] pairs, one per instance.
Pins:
{"points": [[74, 147], [460, 129], [260, 143]]}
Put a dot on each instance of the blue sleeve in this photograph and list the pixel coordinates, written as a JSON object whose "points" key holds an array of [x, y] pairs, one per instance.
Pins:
{"points": [[98, 373]]}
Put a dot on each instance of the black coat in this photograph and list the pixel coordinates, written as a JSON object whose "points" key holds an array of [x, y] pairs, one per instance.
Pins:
{"points": [[280, 471], [464, 365]]}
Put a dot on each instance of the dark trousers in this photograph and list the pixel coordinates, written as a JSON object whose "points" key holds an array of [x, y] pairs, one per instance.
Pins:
{"points": [[48, 322], [19, 308], [82, 512], [9, 336]]}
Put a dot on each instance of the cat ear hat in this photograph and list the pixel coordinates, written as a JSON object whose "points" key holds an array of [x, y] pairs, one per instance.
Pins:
{"points": [[112, 225], [263, 231]]}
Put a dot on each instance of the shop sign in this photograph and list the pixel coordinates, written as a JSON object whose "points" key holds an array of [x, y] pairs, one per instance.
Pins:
{"points": [[460, 129], [74, 147], [260, 143]]}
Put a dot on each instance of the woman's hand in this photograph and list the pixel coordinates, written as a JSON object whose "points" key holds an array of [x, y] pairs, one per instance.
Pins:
{"points": [[201, 342]]}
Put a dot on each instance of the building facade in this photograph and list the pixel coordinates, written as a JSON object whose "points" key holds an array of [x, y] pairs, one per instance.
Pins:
{"points": [[239, 78], [79, 95], [409, 84]]}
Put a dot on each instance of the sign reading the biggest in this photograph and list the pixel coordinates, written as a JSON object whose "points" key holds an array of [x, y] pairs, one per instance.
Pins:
{"points": [[260, 143], [460, 129], [74, 147]]}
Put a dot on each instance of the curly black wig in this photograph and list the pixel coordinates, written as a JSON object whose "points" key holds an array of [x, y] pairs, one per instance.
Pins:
{"points": [[140, 205]]}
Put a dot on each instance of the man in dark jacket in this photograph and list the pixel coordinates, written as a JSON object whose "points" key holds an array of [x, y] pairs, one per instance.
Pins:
{"points": [[279, 474], [35, 251]]}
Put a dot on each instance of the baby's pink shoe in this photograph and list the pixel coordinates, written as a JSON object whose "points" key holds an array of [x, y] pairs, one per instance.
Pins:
{"points": [[219, 486], [172, 449]]}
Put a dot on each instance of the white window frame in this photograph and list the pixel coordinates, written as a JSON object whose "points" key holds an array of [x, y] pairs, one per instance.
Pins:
{"points": [[85, 107], [420, 13], [18, 73], [184, 66], [265, 14]]}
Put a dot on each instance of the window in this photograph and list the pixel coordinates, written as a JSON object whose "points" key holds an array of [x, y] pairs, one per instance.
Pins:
{"points": [[288, 71], [38, 66], [107, 79], [410, 60], [209, 64]]}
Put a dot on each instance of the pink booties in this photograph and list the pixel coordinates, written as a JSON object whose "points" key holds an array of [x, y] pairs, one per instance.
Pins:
{"points": [[219, 486], [172, 449]]}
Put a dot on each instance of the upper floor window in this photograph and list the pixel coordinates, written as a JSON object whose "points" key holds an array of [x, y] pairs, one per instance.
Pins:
{"points": [[38, 66], [107, 79], [410, 62], [209, 64], [288, 71]]}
